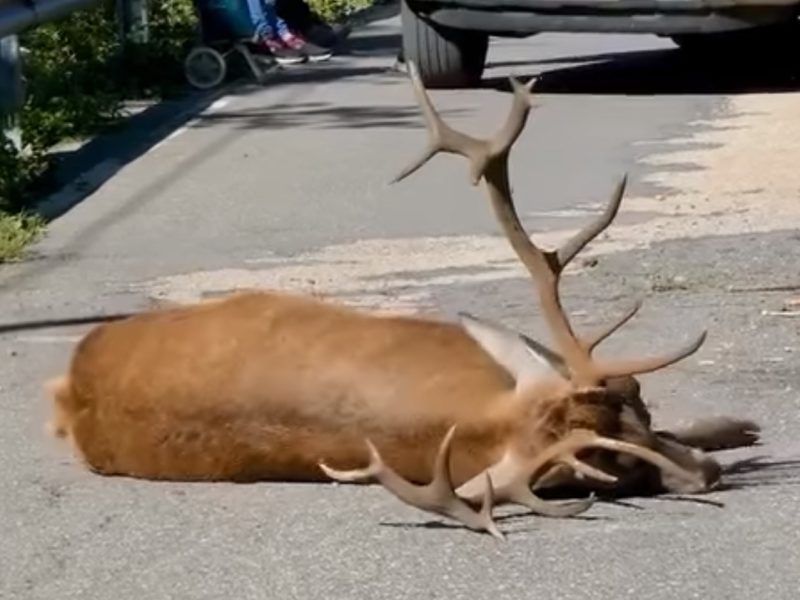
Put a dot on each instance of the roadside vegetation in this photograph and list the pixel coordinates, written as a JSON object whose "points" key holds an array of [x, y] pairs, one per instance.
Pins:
{"points": [[78, 76]]}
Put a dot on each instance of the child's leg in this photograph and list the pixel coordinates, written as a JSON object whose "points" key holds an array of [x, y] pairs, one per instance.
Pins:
{"points": [[267, 15], [287, 47], [269, 32], [259, 18]]}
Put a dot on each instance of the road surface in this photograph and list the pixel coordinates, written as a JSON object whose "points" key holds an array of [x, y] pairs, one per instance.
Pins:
{"points": [[286, 186]]}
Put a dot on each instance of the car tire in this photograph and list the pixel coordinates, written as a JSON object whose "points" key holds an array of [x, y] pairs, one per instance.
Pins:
{"points": [[445, 57]]}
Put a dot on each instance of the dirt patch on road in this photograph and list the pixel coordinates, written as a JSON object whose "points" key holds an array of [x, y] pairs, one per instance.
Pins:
{"points": [[746, 180]]}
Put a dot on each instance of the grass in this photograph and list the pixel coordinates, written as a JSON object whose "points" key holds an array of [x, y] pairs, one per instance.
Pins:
{"points": [[17, 231]]}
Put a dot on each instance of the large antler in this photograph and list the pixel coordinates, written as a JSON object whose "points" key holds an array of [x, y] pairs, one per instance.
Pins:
{"points": [[513, 481], [489, 161], [439, 496]]}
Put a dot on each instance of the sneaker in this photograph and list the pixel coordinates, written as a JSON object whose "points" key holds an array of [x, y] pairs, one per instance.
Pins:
{"points": [[399, 66], [283, 53], [312, 51]]}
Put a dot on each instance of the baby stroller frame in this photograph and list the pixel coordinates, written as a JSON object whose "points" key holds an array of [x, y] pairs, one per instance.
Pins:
{"points": [[224, 30]]}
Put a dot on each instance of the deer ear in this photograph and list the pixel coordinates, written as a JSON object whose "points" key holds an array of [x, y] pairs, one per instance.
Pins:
{"points": [[525, 359]]}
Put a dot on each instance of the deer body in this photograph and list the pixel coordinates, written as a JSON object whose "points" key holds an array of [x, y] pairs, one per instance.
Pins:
{"points": [[265, 385]]}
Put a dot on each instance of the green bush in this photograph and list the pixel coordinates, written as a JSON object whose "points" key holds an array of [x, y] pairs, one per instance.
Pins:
{"points": [[17, 230], [83, 52], [64, 59], [335, 10], [173, 27]]}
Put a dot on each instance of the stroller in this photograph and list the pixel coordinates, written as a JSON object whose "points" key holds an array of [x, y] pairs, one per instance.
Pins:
{"points": [[225, 28]]}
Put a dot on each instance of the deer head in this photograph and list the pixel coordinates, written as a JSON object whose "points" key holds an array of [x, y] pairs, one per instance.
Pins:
{"points": [[582, 420]]}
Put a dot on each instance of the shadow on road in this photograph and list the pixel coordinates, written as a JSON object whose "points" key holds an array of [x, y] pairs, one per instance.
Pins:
{"points": [[761, 472], [82, 171], [320, 115], [652, 72], [322, 73], [377, 44]]}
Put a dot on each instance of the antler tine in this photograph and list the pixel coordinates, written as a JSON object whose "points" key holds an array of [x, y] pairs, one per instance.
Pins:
{"points": [[438, 496], [592, 341], [522, 495], [565, 451], [521, 105], [593, 370], [515, 490], [646, 454], [444, 138], [622, 368], [579, 241]]}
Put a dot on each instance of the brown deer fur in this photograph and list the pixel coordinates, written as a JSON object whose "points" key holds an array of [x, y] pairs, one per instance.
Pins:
{"points": [[265, 385]]}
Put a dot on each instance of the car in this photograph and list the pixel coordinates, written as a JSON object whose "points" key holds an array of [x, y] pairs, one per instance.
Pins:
{"points": [[448, 39]]}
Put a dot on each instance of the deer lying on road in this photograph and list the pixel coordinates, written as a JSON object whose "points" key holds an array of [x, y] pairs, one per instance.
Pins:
{"points": [[452, 418]]}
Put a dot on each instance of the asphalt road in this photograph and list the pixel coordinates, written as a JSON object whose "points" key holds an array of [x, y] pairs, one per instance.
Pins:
{"points": [[286, 186]]}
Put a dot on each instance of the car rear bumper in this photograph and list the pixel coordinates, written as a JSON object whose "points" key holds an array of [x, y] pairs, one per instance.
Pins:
{"points": [[662, 17]]}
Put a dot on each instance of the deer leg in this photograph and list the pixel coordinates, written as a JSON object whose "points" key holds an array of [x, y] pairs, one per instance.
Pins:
{"points": [[716, 433]]}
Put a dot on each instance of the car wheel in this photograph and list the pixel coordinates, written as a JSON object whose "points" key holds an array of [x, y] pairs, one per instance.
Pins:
{"points": [[445, 57]]}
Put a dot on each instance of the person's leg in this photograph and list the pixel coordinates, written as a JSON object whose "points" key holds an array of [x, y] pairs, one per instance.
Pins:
{"points": [[279, 25], [296, 13], [259, 18], [300, 18], [314, 52], [267, 33], [289, 38]]}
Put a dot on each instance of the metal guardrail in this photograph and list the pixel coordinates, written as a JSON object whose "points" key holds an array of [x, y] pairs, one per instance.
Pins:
{"points": [[18, 15], [15, 17]]}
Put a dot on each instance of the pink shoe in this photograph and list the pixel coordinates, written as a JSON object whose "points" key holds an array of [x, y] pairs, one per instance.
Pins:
{"points": [[312, 51], [283, 53]]}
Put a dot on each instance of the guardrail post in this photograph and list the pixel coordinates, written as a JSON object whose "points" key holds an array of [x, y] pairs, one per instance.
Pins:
{"points": [[12, 92], [134, 26]]}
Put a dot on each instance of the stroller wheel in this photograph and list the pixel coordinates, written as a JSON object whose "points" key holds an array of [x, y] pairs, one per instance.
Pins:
{"points": [[204, 67]]}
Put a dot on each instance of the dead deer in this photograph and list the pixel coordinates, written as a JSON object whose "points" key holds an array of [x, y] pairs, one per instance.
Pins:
{"points": [[450, 417]]}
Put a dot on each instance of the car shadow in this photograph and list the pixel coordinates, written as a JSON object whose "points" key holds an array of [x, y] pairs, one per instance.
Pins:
{"points": [[654, 72]]}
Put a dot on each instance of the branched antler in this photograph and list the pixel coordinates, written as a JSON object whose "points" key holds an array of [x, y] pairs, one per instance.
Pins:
{"points": [[513, 480], [566, 451], [590, 342], [489, 161], [437, 497], [480, 153]]}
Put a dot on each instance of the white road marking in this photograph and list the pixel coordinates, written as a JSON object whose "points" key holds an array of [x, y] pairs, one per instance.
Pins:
{"points": [[217, 105]]}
